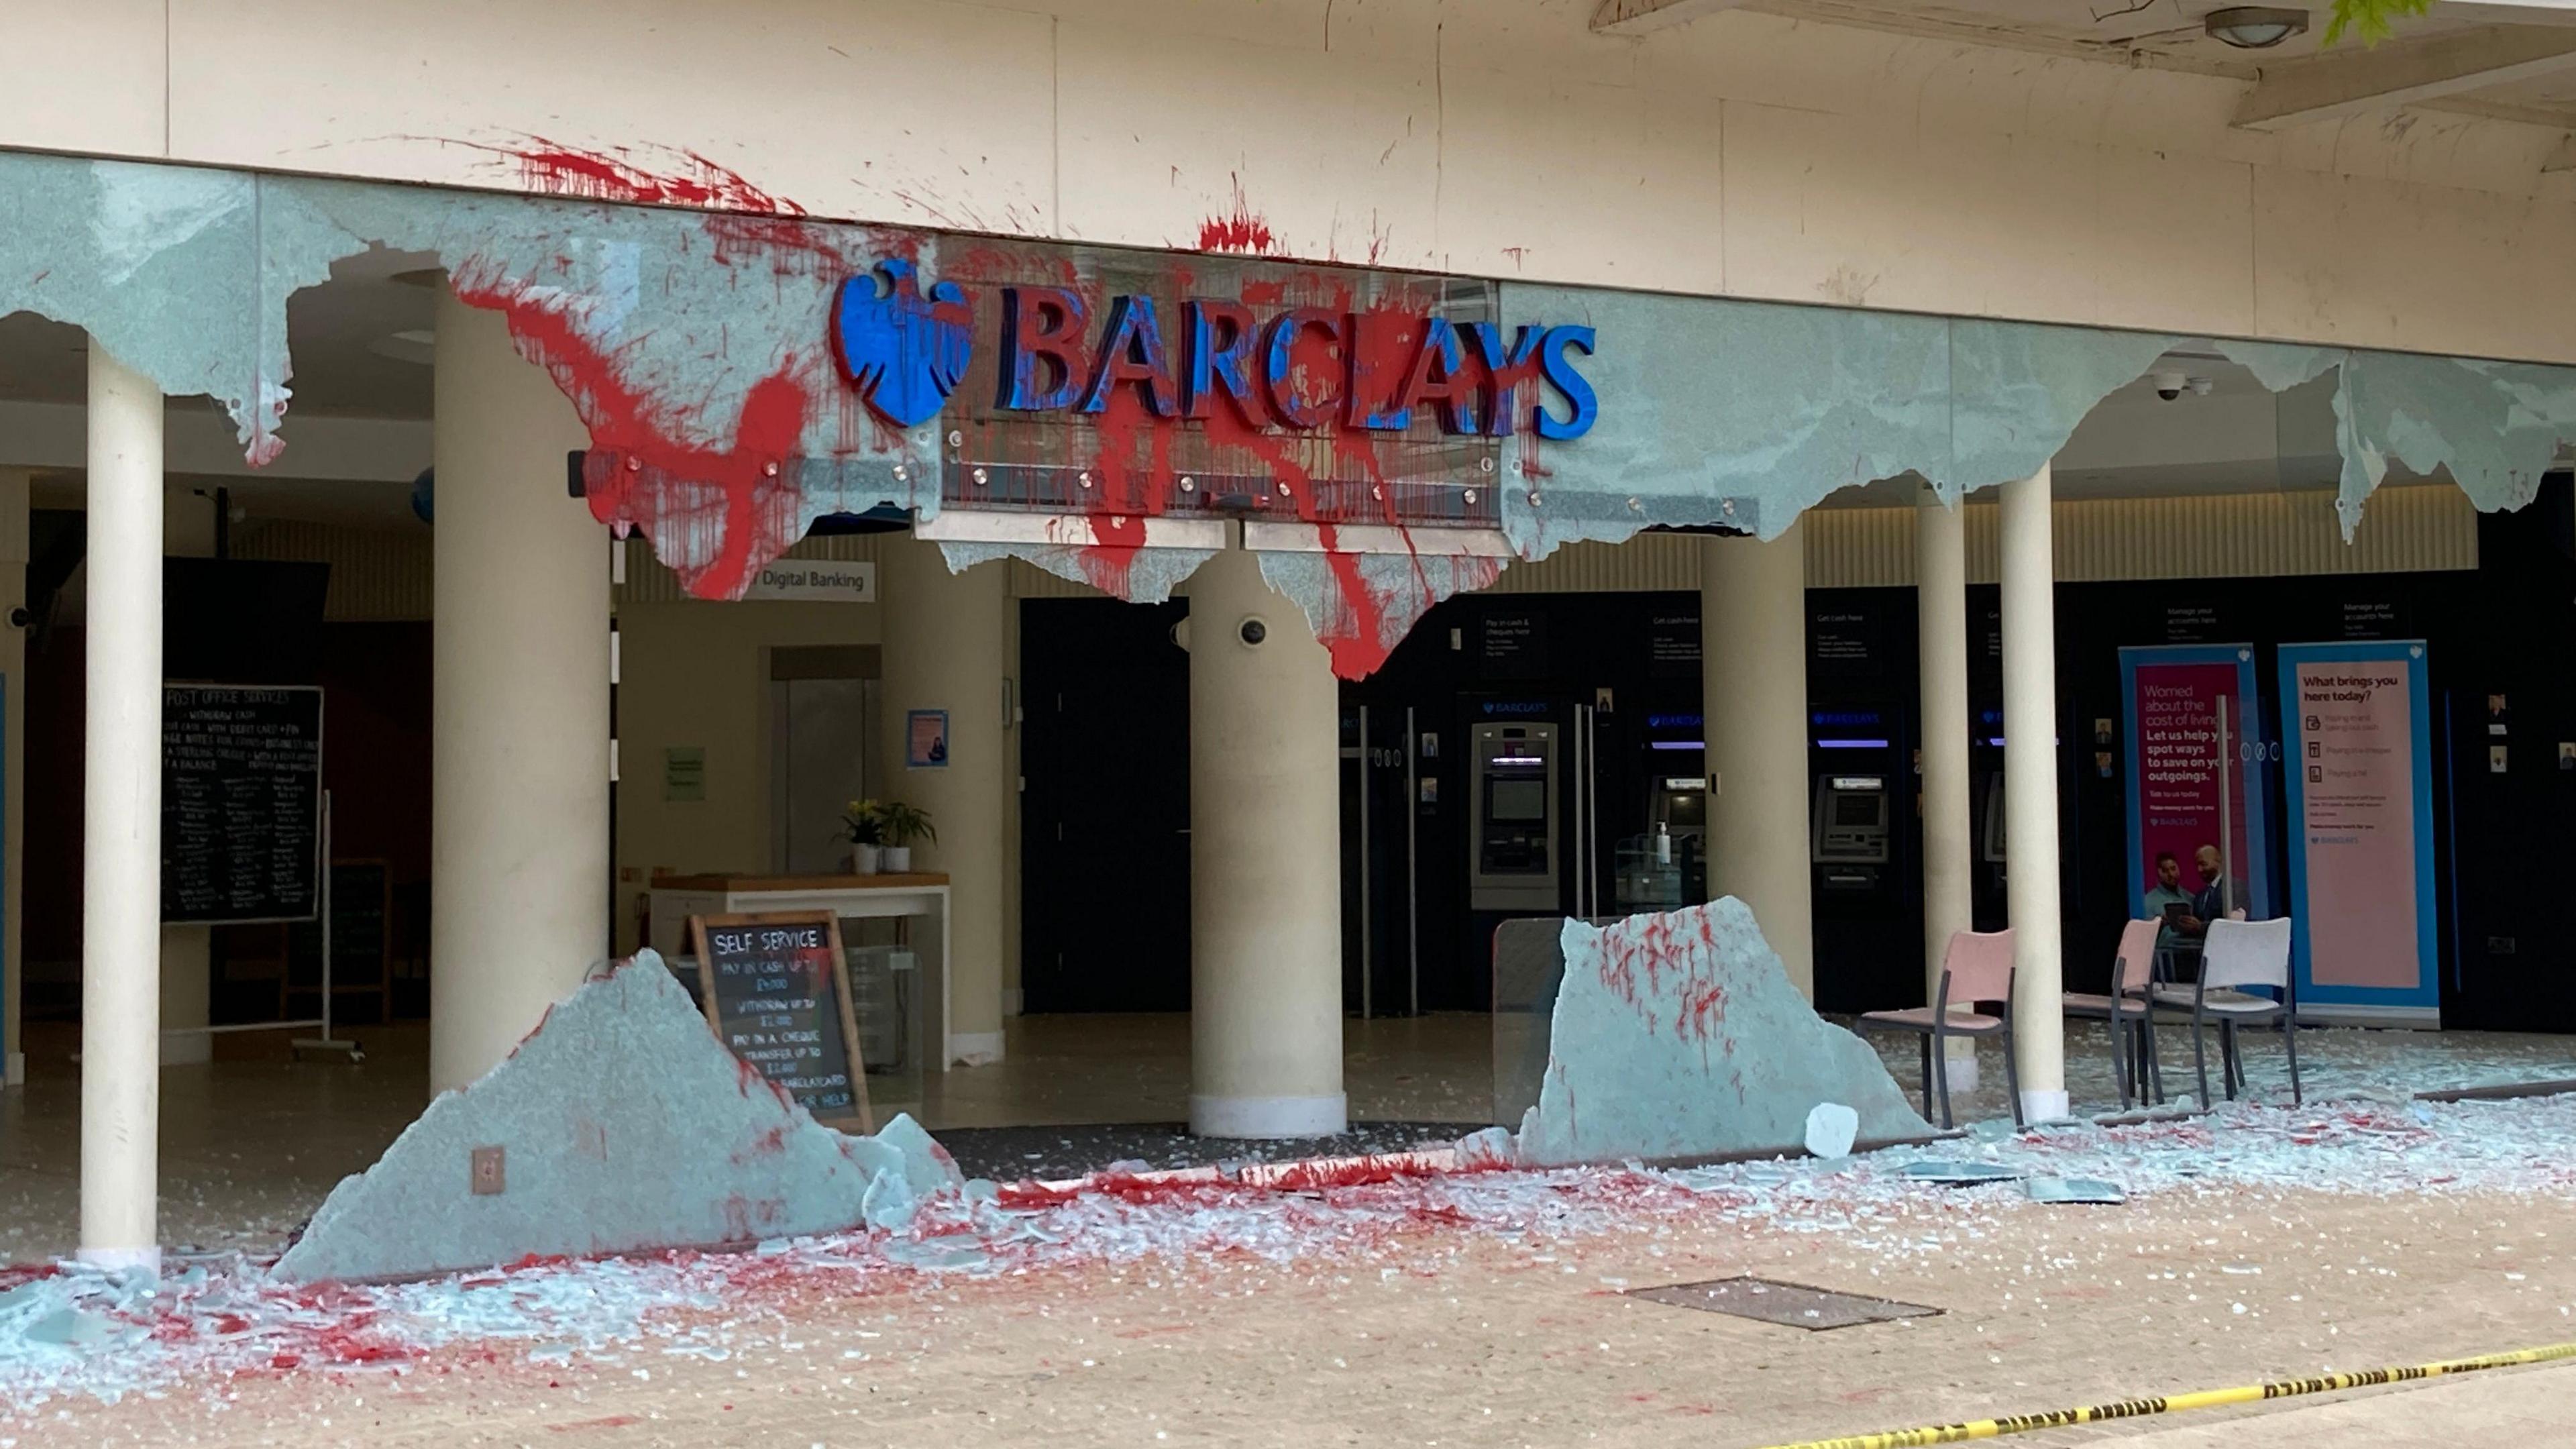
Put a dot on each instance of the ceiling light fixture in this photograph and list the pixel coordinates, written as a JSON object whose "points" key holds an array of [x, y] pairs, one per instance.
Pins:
{"points": [[414, 346], [2254, 27]]}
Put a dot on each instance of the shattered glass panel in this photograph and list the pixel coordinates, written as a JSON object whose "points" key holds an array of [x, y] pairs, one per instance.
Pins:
{"points": [[1529, 967], [1723, 412], [699, 349], [2017, 390], [160, 264], [1678, 1036], [627, 1126]]}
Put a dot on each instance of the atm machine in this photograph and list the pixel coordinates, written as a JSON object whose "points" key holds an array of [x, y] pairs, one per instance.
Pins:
{"points": [[1513, 820], [1986, 811], [1866, 869], [1849, 838]]}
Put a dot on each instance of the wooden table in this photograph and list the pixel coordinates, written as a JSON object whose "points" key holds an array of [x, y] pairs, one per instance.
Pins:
{"points": [[921, 893]]}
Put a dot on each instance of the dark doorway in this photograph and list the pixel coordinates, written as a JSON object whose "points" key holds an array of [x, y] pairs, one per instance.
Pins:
{"points": [[1105, 814]]}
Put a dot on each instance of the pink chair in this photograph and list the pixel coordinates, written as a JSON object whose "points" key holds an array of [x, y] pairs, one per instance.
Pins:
{"points": [[2128, 1009], [1976, 968]]}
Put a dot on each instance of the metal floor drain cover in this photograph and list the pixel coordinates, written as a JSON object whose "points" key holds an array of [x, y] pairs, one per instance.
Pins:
{"points": [[1793, 1304]]}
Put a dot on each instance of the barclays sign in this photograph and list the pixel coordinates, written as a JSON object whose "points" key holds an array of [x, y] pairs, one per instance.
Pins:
{"points": [[1219, 361]]}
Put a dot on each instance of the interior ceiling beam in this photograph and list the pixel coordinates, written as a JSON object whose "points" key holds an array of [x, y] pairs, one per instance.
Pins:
{"points": [[2508, 12], [2351, 82], [1638, 17]]}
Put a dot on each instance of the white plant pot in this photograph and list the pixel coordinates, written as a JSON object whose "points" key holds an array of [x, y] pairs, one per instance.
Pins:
{"points": [[865, 859], [897, 859]]}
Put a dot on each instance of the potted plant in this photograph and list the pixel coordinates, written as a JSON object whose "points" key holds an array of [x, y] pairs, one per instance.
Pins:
{"points": [[862, 824], [899, 825]]}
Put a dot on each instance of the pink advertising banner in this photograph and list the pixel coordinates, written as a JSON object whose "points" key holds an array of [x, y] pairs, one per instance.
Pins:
{"points": [[2189, 793], [2359, 787]]}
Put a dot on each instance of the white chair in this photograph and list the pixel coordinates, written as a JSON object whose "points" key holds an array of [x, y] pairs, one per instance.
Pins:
{"points": [[2239, 953]]}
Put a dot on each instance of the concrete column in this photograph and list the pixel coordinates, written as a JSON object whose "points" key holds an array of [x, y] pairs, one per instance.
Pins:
{"points": [[13, 768], [187, 952], [1265, 863], [519, 670], [2030, 792], [1949, 849], [121, 823], [1753, 677], [944, 636]]}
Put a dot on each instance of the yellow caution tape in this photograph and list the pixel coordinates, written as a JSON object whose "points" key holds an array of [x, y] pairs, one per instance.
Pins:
{"points": [[2176, 1403]]}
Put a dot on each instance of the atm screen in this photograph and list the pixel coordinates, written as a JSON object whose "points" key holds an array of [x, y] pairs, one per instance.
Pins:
{"points": [[1516, 800], [1686, 807], [1852, 808]]}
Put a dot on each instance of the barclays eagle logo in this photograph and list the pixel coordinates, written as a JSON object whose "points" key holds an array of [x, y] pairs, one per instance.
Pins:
{"points": [[905, 352]]}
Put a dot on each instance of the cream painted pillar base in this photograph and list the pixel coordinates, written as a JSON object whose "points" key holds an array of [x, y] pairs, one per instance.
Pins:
{"points": [[187, 977], [945, 637], [1753, 677], [2030, 792], [1265, 863], [519, 744]]}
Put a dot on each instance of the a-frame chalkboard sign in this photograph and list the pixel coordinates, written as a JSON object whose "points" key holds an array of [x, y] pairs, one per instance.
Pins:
{"points": [[776, 989]]}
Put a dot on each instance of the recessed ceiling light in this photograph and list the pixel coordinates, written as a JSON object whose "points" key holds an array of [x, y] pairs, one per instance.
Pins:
{"points": [[2254, 27], [409, 346]]}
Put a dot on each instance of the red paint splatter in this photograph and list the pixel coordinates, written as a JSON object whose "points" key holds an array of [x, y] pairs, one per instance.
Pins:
{"points": [[767, 1144], [738, 490], [1637, 955], [662, 176], [1239, 230]]}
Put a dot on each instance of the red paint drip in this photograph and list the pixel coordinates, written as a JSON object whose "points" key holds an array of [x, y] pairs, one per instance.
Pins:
{"points": [[1638, 953], [1240, 230], [738, 491]]}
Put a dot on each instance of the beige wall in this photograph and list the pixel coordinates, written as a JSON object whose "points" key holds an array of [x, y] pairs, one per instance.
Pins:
{"points": [[698, 674], [1744, 154]]}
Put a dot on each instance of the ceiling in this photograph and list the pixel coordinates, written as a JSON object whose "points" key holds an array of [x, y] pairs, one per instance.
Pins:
{"points": [[2515, 59]]}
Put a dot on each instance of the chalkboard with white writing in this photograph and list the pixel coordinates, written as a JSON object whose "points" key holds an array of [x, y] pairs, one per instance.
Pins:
{"points": [[241, 803], [776, 988]]}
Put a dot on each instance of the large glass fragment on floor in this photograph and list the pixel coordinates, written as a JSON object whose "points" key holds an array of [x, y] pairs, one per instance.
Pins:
{"points": [[620, 1125], [1678, 1035]]}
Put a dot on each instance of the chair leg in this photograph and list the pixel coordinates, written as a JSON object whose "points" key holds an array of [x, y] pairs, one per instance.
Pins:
{"points": [[2290, 1039], [2012, 1075], [2155, 1058], [2227, 1057], [2200, 1060], [1927, 1076], [2120, 1055], [1940, 1074]]}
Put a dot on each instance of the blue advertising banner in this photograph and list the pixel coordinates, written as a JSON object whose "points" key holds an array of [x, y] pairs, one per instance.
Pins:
{"points": [[2359, 784], [2198, 846]]}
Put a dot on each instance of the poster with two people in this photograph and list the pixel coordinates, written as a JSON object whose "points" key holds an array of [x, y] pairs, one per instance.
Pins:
{"points": [[2353, 761]]}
